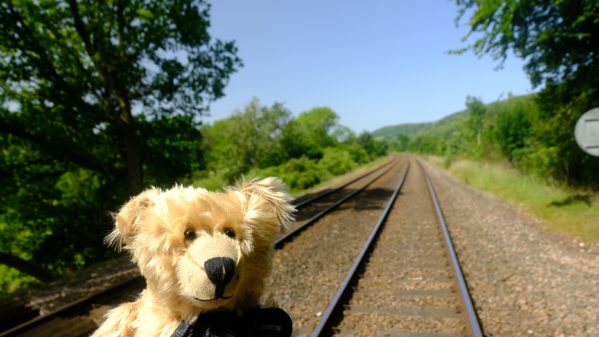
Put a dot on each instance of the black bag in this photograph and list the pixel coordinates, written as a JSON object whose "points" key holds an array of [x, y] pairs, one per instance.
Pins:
{"points": [[262, 322]]}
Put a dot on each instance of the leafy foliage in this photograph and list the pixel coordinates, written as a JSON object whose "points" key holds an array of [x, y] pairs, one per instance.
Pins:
{"points": [[310, 132], [408, 129], [559, 41], [303, 151], [298, 173], [247, 139], [557, 38], [515, 129], [97, 100], [256, 141]]}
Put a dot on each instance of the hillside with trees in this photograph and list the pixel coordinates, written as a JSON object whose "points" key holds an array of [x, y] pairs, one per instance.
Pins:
{"points": [[559, 41], [408, 130], [512, 130], [268, 140]]}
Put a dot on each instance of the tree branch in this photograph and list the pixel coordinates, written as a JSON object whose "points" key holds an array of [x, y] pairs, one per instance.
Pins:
{"points": [[50, 146], [47, 68], [111, 83], [27, 267]]}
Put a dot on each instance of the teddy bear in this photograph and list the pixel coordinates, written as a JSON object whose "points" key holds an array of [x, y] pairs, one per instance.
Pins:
{"points": [[205, 256]]}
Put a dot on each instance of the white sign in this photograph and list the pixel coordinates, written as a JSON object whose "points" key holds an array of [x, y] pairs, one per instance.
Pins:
{"points": [[587, 132]]}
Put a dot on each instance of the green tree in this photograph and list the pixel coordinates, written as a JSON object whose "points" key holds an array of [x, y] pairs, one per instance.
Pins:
{"points": [[401, 143], [476, 110], [557, 38], [245, 140], [559, 41], [96, 100], [513, 131], [311, 132], [374, 147]]}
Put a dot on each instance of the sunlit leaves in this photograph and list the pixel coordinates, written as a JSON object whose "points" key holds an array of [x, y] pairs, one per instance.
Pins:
{"points": [[557, 38], [559, 42], [95, 98]]}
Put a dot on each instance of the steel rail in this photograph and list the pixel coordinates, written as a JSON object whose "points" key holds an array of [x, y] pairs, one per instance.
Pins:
{"points": [[472, 317], [283, 239], [71, 307], [325, 322], [87, 301], [301, 203]]}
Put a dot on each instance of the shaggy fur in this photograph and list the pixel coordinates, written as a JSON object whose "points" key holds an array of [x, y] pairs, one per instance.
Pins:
{"points": [[152, 226]]}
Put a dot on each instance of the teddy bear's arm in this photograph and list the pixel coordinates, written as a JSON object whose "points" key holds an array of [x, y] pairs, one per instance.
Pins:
{"points": [[118, 322]]}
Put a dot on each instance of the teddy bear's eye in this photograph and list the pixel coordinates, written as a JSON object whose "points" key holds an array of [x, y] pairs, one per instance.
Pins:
{"points": [[229, 232], [189, 234]]}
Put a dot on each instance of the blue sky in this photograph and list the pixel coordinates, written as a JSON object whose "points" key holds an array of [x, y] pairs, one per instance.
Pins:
{"points": [[375, 63]]}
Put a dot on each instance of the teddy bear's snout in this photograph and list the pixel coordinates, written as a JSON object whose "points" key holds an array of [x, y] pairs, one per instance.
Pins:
{"points": [[220, 271]]}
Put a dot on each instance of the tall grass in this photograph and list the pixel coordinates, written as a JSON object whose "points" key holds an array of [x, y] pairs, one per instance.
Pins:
{"points": [[562, 209]]}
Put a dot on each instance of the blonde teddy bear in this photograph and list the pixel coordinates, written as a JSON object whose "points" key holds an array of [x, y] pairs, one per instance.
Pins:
{"points": [[204, 256]]}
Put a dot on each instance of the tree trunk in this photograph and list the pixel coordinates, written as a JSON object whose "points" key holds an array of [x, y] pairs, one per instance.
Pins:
{"points": [[127, 139], [131, 151], [27, 267], [130, 142]]}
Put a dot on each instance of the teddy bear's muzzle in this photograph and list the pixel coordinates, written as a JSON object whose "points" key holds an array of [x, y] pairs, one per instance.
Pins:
{"points": [[220, 271]]}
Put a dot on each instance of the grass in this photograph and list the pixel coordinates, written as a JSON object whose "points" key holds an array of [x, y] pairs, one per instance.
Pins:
{"points": [[562, 209]]}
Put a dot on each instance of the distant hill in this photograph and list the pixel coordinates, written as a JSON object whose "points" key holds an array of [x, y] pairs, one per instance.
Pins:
{"points": [[502, 129], [412, 129], [392, 131], [447, 125]]}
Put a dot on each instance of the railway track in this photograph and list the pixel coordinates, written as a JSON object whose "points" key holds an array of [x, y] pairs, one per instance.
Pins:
{"points": [[74, 319], [405, 281], [410, 284]]}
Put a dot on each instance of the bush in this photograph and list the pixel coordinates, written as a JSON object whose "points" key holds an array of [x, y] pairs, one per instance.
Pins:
{"points": [[336, 161], [541, 161], [358, 154], [13, 280], [298, 173], [210, 180], [513, 129]]}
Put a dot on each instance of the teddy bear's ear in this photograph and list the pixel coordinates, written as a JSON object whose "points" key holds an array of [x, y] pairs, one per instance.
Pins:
{"points": [[272, 190], [125, 221]]}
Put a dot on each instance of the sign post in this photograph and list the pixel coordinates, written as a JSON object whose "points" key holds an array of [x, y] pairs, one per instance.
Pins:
{"points": [[587, 133]]}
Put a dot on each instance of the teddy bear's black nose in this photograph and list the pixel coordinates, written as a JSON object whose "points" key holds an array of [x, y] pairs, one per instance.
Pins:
{"points": [[220, 270]]}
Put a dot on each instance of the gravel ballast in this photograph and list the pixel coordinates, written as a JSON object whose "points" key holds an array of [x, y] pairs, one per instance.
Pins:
{"points": [[524, 280], [308, 270], [407, 288]]}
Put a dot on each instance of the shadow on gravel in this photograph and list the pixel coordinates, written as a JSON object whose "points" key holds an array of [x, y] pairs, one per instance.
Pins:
{"points": [[310, 195], [308, 210], [369, 200]]}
